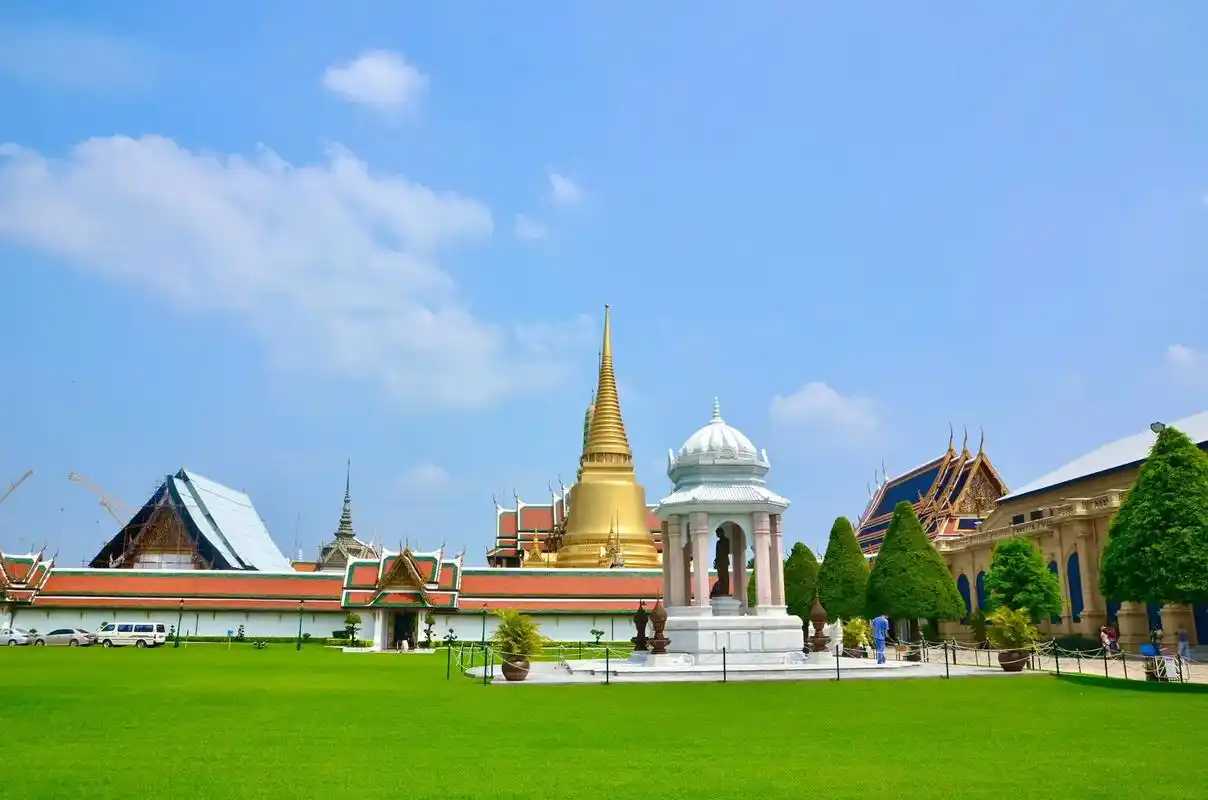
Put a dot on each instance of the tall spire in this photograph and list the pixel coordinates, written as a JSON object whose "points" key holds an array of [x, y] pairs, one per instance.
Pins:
{"points": [[716, 410], [345, 529], [606, 440]]}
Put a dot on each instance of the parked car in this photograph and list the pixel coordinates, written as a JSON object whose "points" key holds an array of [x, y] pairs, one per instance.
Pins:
{"points": [[14, 637], [67, 637], [139, 634]]}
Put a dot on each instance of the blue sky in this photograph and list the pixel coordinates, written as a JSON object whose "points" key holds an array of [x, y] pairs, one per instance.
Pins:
{"points": [[256, 242]]}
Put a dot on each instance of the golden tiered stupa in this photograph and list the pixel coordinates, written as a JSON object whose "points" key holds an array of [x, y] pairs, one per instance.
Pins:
{"points": [[607, 524]]}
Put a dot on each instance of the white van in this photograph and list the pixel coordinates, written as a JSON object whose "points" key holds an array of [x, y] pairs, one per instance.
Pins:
{"points": [[139, 634]]}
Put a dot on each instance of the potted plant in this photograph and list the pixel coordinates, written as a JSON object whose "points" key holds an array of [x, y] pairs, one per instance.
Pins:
{"points": [[856, 637], [1012, 633], [517, 637], [429, 624]]}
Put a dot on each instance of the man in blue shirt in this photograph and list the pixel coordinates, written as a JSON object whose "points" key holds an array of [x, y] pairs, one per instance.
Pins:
{"points": [[880, 629]]}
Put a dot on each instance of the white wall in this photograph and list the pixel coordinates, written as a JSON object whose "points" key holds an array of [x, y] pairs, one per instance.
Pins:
{"points": [[195, 623], [560, 627]]}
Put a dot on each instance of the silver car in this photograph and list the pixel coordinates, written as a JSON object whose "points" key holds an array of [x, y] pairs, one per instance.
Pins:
{"points": [[67, 637], [14, 637]]}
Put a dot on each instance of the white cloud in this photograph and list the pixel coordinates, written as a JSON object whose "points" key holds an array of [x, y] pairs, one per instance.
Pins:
{"points": [[1187, 363], [425, 478], [563, 191], [817, 405], [333, 266], [528, 229], [77, 60], [380, 79]]}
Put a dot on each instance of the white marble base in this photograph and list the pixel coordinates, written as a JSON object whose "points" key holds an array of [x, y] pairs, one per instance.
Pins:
{"points": [[747, 639]]}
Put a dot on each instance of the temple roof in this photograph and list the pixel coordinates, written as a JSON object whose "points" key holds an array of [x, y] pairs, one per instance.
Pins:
{"points": [[1126, 452], [221, 521]]}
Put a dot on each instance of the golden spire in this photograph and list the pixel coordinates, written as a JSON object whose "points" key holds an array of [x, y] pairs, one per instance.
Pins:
{"points": [[606, 439]]}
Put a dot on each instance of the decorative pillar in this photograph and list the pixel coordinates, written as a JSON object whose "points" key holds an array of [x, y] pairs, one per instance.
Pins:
{"points": [[763, 569], [1094, 615], [776, 555], [1175, 616], [1134, 626], [738, 568], [700, 559], [673, 563], [685, 578], [666, 562]]}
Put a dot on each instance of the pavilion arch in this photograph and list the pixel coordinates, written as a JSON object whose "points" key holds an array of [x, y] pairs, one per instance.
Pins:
{"points": [[962, 586]]}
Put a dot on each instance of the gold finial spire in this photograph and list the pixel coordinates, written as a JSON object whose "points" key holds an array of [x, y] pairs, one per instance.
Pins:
{"points": [[606, 440]]}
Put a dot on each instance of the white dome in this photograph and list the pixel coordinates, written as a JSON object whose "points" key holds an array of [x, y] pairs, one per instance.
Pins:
{"points": [[718, 439]]}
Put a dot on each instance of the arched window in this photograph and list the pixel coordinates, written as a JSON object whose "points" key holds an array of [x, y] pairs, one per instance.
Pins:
{"points": [[1056, 618], [962, 586], [1073, 576], [981, 591]]}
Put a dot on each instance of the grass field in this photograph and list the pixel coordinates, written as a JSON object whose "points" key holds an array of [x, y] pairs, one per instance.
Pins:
{"points": [[208, 722]]}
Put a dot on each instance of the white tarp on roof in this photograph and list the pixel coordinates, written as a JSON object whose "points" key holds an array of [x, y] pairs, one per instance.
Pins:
{"points": [[229, 521], [1124, 451]]}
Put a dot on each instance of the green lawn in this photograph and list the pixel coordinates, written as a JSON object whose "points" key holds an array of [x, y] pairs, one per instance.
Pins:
{"points": [[208, 722]]}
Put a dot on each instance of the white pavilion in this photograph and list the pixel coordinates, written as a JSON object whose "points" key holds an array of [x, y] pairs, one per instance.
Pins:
{"points": [[719, 512]]}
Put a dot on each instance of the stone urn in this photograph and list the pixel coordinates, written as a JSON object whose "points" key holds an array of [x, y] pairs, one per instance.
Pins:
{"points": [[514, 669], [658, 618], [819, 642], [1012, 660]]}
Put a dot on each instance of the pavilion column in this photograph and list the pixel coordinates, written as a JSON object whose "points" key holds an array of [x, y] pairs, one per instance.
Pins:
{"points": [[1093, 615], [776, 555], [685, 544], [673, 563], [763, 569], [738, 565], [700, 559]]}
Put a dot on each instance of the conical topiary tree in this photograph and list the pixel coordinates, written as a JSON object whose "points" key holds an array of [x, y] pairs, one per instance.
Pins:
{"points": [[1157, 545], [909, 579], [800, 581], [1019, 579], [843, 577]]}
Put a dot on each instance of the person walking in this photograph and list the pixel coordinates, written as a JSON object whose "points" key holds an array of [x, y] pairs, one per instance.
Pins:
{"points": [[1184, 645], [880, 629]]}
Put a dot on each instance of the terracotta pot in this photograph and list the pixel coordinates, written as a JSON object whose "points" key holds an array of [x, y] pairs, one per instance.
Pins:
{"points": [[515, 669], [1012, 660]]}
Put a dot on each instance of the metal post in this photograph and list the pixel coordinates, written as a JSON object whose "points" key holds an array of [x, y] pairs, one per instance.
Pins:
{"points": [[1057, 658], [1078, 655], [1105, 662], [1124, 663], [448, 660], [836, 662], [484, 626], [723, 665], [485, 658], [180, 615], [946, 673], [607, 666], [1178, 664], [298, 644]]}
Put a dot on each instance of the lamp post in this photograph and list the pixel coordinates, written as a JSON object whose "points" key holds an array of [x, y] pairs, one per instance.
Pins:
{"points": [[484, 628], [1157, 427], [180, 615], [301, 607]]}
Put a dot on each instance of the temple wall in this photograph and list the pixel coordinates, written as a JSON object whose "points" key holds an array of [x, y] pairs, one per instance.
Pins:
{"points": [[560, 627], [195, 623]]}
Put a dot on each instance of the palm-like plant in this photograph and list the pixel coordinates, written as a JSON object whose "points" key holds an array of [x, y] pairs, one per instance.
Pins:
{"points": [[517, 636]]}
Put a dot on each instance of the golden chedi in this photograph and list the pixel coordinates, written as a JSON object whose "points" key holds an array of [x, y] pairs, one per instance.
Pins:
{"points": [[607, 523]]}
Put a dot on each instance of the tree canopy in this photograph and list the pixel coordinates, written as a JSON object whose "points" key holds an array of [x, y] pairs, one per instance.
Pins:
{"points": [[1019, 579], [1157, 546], [800, 580], [843, 576], [909, 579]]}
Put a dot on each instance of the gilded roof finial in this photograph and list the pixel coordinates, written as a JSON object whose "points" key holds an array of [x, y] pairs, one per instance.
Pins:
{"points": [[606, 440], [981, 440], [965, 442], [950, 436]]}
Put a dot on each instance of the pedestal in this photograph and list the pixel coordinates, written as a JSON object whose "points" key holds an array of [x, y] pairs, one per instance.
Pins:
{"points": [[746, 639], [726, 607]]}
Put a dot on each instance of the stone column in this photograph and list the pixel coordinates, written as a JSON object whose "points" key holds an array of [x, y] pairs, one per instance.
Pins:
{"points": [[379, 629], [667, 562], [1134, 626], [1094, 615], [685, 561], [776, 555], [673, 562], [1175, 616], [700, 559], [763, 569], [738, 566]]}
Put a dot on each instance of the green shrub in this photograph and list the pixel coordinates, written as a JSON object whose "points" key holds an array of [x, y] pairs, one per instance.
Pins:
{"points": [[977, 623], [1011, 630], [1018, 578], [857, 633], [517, 634], [843, 576], [909, 579]]}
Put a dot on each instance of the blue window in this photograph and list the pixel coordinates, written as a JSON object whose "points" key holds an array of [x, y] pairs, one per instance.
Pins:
{"points": [[1074, 577], [962, 586], [1056, 618], [981, 590]]}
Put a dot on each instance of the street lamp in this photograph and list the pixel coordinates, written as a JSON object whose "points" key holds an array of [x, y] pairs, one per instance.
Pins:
{"points": [[301, 607], [1157, 427]]}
